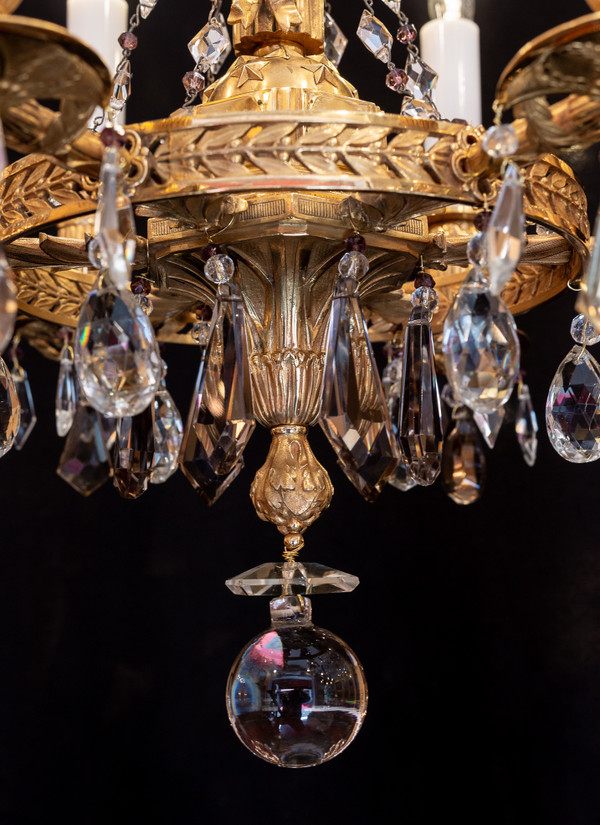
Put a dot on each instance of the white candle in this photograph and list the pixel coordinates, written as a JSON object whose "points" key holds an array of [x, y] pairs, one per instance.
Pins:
{"points": [[99, 23], [450, 45]]}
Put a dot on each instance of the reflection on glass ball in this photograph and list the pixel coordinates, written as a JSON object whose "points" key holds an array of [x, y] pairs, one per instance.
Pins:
{"points": [[296, 696]]}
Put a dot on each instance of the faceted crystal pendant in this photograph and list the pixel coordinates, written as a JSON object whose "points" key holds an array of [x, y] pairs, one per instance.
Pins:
{"points": [[424, 108], [291, 578], [421, 78], [296, 694], [354, 414], [134, 453], [481, 346], [28, 416], [588, 299], [146, 7], [168, 435], [116, 354], [506, 231], [526, 425], [335, 41], [394, 5], [572, 411], [463, 461], [220, 421], [66, 392], [113, 246], [84, 463], [211, 45], [401, 478], [10, 410], [121, 88], [420, 422], [375, 36], [8, 301], [489, 425]]}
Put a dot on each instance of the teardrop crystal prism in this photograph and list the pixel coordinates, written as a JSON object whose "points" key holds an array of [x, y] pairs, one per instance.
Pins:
{"points": [[572, 413], [463, 461], [354, 414], [420, 431], [489, 425], [168, 435], [588, 298], [28, 417], [66, 392], [85, 463], [220, 421], [134, 453], [10, 410], [506, 231], [526, 426], [401, 478], [116, 354], [480, 346], [8, 301]]}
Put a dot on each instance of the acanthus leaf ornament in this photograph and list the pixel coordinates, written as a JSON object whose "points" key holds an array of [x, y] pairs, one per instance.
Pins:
{"points": [[246, 11]]}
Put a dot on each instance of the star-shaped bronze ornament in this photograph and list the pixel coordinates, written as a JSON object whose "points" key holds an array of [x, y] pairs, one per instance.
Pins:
{"points": [[248, 71], [321, 73], [285, 12]]}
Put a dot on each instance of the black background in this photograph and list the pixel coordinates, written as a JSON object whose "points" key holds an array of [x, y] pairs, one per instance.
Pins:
{"points": [[479, 627]]}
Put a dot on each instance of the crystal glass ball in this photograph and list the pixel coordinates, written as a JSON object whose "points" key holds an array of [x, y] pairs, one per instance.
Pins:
{"points": [[296, 696]]}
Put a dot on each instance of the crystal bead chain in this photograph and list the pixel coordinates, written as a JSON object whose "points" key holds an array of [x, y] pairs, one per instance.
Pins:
{"points": [[195, 81]]}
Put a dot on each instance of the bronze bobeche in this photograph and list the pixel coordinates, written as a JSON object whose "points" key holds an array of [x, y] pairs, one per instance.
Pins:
{"points": [[279, 163]]}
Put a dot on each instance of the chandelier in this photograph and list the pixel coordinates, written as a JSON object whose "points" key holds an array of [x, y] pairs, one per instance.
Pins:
{"points": [[285, 226]]}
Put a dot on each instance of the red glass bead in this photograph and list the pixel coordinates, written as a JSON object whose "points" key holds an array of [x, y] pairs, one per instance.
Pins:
{"points": [[203, 312], [424, 279], [128, 41], [355, 243], [407, 33], [140, 286]]}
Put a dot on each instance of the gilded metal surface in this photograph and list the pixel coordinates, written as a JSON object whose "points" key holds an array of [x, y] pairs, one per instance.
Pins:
{"points": [[565, 61], [8, 6], [40, 61], [291, 489], [263, 22]]}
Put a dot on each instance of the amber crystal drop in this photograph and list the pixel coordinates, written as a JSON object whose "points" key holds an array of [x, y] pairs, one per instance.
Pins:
{"points": [[10, 410], [85, 463], [463, 461], [354, 414], [220, 421], [420, 423], [134, 453]]}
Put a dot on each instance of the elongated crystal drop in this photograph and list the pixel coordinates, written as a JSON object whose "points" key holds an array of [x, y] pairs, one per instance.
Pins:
{"points": [[116, 354], [28, 417], [526, 426], [168, 435], [10, 410], [420, 423], [147, 7], [113, 247], [211, 45], [463, 461], [375, 36], [220, 421], [588, 298], [335, 42], [354, 414], [121, 88], [480, 346], [85, 463], [572, 413], [66, 392], [401, 478], [489, 425], [134, 453], [505, 232], [8, 301]]}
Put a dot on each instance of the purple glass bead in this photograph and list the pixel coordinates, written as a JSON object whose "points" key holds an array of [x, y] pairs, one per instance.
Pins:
{"points": [[396, 80], [128, 41], [407, 33], [193, 82], [140, 286], [355, 243], [204, 312], [424, 279], [481, 221], [208, 251], [112, 137]]}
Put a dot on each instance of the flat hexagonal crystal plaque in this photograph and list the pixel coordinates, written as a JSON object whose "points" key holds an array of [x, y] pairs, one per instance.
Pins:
{"points": [[291, 578]]}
